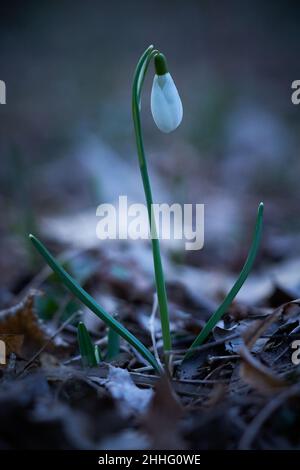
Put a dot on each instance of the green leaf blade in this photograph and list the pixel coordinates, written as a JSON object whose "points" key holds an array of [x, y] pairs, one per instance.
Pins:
{"points": [[88, 300], [86, 346], [97, 352], [113, 344], [215, 318]]}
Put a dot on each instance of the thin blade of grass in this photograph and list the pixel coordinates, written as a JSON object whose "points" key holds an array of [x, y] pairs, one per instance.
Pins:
{"points": [[222, 309], [88, 300], [98, 354], [86, 346], [113, 344]]}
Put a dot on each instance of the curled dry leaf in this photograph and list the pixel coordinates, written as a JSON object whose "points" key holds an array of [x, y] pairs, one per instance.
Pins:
{"points": [[284, 313], [252, 371], [258, 376], [24, 329]]}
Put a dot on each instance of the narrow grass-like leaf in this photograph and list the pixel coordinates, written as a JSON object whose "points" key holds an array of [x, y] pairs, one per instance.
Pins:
{"points": [[97, 354], [215, 318], [88, 300], [113, 344], [86, 346]]}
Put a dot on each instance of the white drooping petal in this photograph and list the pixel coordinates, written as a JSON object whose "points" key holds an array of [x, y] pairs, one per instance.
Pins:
{"points": [[166, 104]]}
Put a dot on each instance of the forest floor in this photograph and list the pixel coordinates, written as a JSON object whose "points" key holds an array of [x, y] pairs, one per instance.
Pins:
{"points": [[240, 390]]}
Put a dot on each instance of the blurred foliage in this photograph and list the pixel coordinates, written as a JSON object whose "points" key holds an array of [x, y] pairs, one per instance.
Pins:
{"points": [[68, 80]]}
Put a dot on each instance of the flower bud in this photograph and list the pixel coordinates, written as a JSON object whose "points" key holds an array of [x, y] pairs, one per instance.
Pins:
{"points": [[166, 106]]}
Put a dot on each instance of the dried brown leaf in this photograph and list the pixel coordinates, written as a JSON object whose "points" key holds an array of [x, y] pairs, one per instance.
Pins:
{"points": [[13, 343], [21, 321], [284, 312], [258, 376]]}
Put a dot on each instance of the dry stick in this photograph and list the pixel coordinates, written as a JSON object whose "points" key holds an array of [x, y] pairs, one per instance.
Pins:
{"points": [[206, 346], [218, 342], [101, 372], [212, 359], [280, 355], [11, 311], [42, 275], [142, 369], [56, 317], [254, 427], [201, 381], [151, 381], [36, 355], [217, 369]]}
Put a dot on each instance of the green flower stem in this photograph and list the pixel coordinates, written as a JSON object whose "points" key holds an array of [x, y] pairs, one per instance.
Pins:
{"points": [[138, 81], [88, 300], [215, 318]]}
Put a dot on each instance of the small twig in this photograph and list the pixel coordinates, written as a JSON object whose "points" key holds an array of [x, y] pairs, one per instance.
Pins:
{"points": [[282, 353], [60, 310], [254, 427], [142, 369], [42, 275], [177, 362], [217, 369], [204, 381], [25, 303], [36, 355], [206, 346], [72, 360], [212, 359]]}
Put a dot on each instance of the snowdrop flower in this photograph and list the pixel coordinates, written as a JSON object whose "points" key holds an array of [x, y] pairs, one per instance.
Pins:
{"points": [[166, 106]]}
